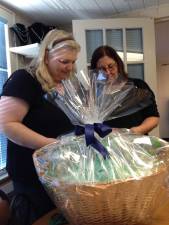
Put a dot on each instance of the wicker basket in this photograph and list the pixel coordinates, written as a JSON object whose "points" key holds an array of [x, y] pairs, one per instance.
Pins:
{"points": [[125, 203], [129, 202]]}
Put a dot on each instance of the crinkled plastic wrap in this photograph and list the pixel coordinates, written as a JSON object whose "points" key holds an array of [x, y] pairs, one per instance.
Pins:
{"points": [[122, 184], [89, 98]]}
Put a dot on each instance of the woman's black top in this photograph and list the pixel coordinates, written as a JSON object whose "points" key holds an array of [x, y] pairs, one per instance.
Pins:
{"points": [[138, 117], [43, 117]]}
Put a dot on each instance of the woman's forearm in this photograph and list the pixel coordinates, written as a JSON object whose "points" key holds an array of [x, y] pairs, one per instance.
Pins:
{"points": [[147, 125], [23, 136]]}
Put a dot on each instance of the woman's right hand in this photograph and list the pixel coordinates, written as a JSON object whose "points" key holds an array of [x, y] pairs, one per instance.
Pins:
{"points": [[51, 140]]}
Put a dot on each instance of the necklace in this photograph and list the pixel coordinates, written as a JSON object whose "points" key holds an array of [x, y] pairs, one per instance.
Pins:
{"points": [[59, 88]]}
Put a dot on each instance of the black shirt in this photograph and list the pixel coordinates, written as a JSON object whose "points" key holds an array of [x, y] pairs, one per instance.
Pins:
{"points": [[42, 117], [138, 117]]}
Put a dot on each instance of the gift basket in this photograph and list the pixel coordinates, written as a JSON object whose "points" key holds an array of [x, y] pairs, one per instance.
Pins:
{"points": [[97, 176]]}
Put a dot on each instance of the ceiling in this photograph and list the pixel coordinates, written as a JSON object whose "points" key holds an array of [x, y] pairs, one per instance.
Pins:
{"points": [[62, 12]]}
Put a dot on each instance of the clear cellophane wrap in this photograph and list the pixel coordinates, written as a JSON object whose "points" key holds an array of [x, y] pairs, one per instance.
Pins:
{"points": [[119, 184]]}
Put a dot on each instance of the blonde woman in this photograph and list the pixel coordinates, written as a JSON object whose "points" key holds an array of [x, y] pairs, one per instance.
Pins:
{"points": [[28, 120]]}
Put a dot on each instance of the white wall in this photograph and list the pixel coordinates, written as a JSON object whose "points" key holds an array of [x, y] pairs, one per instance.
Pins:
{"points": [[162, 54]]}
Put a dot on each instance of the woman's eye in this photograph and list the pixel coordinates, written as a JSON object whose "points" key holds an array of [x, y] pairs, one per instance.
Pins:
{"points": [[110, 66], [65, 62]]}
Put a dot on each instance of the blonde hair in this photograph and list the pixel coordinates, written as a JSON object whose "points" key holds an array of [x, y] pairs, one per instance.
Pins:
{"points": [[38, 67]]}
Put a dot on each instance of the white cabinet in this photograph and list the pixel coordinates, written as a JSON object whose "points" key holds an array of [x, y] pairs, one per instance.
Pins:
{"points": [[133, 38], [29, 51]]}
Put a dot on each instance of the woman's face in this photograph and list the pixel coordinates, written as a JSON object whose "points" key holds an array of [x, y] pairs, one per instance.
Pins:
{"points": [[61, 63], [108, 65]]}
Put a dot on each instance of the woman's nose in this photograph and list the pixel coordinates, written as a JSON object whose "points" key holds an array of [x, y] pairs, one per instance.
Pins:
{"points": [[69, 67], [107, 71]]}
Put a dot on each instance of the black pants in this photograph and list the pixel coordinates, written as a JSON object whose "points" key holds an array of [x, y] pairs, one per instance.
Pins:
{"points": [[40, 203]]}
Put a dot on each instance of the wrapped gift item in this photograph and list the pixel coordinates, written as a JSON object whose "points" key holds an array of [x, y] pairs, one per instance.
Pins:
{"points": [[100, 176], [121, 189]]}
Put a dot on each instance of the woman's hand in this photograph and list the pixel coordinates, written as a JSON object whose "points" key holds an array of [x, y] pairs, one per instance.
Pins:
{"points": [[136, 130], [147, 125], [51, 140]]}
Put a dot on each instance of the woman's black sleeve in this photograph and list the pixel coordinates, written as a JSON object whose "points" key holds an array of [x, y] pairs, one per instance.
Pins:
{"points": [[152, 109], [21, 85]]}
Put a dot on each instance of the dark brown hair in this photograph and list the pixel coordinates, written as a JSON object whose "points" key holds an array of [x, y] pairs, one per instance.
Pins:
{"points": [[106, 50]]}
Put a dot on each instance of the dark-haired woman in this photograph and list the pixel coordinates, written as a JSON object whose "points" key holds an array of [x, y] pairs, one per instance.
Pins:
{"points": [[105, 58]]}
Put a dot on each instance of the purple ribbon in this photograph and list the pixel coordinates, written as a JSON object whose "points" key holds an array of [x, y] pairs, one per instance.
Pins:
{"points": [[101, 129]]}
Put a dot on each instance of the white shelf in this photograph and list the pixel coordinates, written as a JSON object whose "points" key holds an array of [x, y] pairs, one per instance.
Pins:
{"points": [[29, 51]]}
